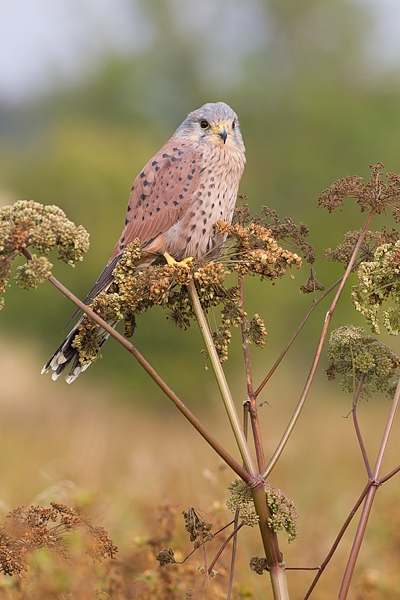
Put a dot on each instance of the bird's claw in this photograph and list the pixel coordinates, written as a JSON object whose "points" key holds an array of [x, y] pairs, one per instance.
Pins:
{"points": [[172, 262]]}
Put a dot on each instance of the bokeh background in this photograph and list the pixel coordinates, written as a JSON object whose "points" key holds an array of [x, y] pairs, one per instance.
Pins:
{"points": [[89, 91]]}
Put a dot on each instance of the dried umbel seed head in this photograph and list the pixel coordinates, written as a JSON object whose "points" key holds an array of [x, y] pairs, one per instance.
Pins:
{"points": [[27, 530], [283, 515], [352, 354], [376, 195], [28, 223]]}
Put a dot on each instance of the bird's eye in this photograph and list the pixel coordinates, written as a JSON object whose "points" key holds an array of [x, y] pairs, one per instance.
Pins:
{"points": [[204, 124], [233, 124]]}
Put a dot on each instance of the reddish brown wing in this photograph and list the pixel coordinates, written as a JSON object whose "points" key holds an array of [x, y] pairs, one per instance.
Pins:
{"points": [[159, 197], [161, 193]]}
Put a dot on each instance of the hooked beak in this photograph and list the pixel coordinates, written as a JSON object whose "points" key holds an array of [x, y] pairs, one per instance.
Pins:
{"points": [[222, 132]]}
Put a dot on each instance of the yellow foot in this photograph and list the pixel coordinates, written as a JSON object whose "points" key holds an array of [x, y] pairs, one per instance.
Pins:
{"points": [[171, 261]]}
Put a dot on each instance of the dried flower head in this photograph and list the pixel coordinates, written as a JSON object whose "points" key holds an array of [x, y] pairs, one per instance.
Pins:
{"points": [[283, 515], [283, 512], [379, 286], [372, 241], [253, 250], [199, 528], [27, 530], [312, 284], [375, 195], [352, 353], [241, 498], [258, 565], [28, 223], [166, 557], [293, 235]]}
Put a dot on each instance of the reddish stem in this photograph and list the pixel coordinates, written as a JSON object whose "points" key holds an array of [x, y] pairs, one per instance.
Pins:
{"points": [[357, 428], [369, 498], [224, 545], [337, 540], [251, 397]]}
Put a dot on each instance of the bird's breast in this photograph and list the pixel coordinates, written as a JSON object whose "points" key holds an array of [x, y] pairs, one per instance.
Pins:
{"points": [[214, 198]]}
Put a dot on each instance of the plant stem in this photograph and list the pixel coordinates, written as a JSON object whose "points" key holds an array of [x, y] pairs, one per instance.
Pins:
{"points": [[324, 333], [233, 557], [357, 427], [224, 545], [369, 498], [274, 556], [294, 336], [251, 397], [235, 466], [341, 533], [222, 383]]}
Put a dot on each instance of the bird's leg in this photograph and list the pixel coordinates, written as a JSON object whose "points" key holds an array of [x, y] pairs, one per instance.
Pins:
{"points": [[171, 261]]}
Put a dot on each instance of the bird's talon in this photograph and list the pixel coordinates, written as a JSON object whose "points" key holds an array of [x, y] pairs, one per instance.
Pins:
{"points": [[172, 262]]}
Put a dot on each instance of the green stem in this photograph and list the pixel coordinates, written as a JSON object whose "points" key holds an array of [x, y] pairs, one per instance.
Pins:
{"points": [[222, 383]]}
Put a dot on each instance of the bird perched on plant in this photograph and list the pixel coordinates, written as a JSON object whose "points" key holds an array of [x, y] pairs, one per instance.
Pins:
{"points": [[176, 199]]}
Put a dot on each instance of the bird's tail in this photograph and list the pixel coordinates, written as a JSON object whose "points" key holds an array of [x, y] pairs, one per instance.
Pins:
{"points": [[66, 355]]}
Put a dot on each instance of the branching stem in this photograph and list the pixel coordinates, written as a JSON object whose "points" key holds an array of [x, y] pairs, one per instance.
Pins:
{"points": [[341, 533], [369, 498], [294, 336], [318, 352], [154, 375]]}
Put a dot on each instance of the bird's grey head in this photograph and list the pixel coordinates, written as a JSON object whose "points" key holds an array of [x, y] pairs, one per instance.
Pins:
{"points": [[213, 122]]}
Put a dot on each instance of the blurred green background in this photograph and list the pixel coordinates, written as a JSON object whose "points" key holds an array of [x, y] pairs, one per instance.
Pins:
{"points": [[314, 106], [105, 84]]}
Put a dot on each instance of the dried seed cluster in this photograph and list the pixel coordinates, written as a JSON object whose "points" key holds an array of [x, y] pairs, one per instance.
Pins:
{"points": [[198, 528], [27, 530], [283, 512], [293, 235], [28, 223], [376, 195], [258, 565], [241, 498], [372, 241], [255, 251], [282, 509], [379, 285], [352, 353]]}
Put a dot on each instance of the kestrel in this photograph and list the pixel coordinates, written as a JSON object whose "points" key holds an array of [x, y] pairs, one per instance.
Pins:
{"points": [[174, 203]]}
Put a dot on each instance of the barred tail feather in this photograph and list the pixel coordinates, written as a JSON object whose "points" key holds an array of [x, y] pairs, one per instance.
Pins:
{"points": [[66, 354]]}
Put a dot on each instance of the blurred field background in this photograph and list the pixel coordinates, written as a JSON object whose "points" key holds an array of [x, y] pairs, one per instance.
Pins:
{"points": [[89, 92]]}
